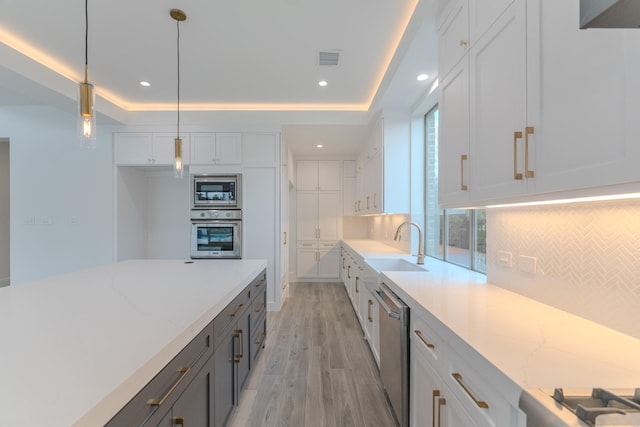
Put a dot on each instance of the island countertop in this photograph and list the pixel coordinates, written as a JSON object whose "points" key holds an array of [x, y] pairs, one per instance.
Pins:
{"points": [[76, 348]]}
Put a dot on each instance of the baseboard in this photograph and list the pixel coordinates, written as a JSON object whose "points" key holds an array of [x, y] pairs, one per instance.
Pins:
{"points": [[5, 281]]}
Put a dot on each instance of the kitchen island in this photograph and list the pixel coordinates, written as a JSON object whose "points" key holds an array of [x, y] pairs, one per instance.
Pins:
{"points": [[77, 347]]}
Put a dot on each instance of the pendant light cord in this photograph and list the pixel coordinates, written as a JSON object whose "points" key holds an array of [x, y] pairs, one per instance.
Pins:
{"points": [[86, 40], [178, 52]]}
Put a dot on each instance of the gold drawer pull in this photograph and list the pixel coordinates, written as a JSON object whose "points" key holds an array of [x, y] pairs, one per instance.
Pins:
{"points": [[357, 284], [516, 136], [259, 340], [527, 131], [480, 403], [238, 334], [423, 339], [436, 393], [159, 402], [237, 310], [441, 402], [178, 421], [369, 317], [259, 309]]}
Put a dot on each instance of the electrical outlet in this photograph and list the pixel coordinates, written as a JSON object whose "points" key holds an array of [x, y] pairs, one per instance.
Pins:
{"points": [[46, 220], [74, 220], [527, 264], [505, 259], [29, 220]]}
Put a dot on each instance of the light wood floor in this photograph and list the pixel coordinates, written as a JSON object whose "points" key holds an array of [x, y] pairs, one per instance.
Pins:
{"points": [[316, 369]]}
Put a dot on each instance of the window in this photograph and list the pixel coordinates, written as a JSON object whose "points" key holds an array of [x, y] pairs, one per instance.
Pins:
{"points": [[457, 236]]}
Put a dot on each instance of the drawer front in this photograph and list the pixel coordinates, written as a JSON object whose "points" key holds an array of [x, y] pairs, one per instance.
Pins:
{"points": [[258, 336], [426, 340], [307, 244], [157, 397], [258, 307], [259, 285], [232, 312]]}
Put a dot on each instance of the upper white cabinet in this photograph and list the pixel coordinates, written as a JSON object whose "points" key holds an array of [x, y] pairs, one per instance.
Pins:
{"points": [[209, 148], [551, 107], [453, 36], [148, 148], [260, 149], [319, 175], [382, 174]]}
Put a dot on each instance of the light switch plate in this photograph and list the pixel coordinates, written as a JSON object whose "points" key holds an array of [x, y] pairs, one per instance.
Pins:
{"points": [[528, 264], [505, 259]]}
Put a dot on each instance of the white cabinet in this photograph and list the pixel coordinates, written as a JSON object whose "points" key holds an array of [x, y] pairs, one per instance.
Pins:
{"points": [[319, 175], [209, 148], [349, 188], [453, 36], [551, 107], [382, 181], [148, 148], [318, 230]]}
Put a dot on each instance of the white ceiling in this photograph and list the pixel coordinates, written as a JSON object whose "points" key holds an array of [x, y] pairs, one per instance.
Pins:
{"points": [[235, 55]]}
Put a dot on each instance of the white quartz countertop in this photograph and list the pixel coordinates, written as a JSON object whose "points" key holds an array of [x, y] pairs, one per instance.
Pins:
{"points": [[533, 344], [75, 348]]}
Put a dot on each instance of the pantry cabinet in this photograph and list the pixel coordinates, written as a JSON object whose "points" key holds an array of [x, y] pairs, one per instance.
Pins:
{"points": [[551, 107], [319, 175], [148, 148], [219, 148]]}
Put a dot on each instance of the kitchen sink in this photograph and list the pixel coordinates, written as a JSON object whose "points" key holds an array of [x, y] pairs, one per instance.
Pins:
{"points": [[393, 264]]}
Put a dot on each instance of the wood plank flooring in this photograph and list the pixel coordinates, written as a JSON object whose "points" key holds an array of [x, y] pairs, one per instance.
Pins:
{"points": [[316, 369]]}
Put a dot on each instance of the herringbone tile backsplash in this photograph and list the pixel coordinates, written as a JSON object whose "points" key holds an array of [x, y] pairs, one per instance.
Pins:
{"points": [[588, 258]]}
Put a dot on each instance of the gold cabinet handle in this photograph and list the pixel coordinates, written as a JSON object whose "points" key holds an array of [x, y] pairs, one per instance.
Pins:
{"points": [[527, 131], [355, 206], [441, 402], [259, 309], [158, 402], [259, 338], [436, 394], [285, 238], [349, 272], [369, 317], [343, 263], [463, 158], [178, 421], [422, 338], [368, 197], [464, 43], [480, 403], [375, 200], [238, 334], [357, 284], [237, 310], [516, 136]]}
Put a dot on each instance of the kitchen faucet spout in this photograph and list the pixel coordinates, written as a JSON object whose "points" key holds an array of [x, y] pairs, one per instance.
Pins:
{"points": [[420, 240]]}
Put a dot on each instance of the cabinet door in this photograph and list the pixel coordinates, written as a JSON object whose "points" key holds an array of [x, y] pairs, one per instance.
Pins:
{"points": [[373, 326], [203, 147], [164, 148], [195, 407], [329, 213], [307, 263], [452, 414], [349, 196], [453, 36], [425, 392], [133, 148], [307, 175], [453, 148], [228, 148], [590, 123], [329, 175], [498, 93], [328, 263], [306, 215], [484, 13], [224, 389]]}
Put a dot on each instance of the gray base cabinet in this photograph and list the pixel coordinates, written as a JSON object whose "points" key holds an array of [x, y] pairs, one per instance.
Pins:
{"points": [[201, 386]]}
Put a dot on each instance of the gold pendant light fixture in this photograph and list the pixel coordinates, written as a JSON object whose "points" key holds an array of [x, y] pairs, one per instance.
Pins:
{"points": [[86, 114], [178, 167]]}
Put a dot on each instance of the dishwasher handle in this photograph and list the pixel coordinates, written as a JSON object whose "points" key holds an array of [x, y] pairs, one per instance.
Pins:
{"points": [[379, 296]]}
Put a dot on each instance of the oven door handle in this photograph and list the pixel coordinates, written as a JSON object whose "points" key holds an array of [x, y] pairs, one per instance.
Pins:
{"points": [[378, 295]]}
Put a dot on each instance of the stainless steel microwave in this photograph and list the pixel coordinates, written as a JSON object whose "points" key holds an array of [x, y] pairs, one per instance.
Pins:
{"points": [[216, 191]]}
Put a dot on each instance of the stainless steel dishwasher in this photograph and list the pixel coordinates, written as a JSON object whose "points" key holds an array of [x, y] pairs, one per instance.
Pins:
{"points": [[394, 351]]}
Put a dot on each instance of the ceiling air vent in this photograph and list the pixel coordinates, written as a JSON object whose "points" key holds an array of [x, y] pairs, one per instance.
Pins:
{"points": [[328, 57]]}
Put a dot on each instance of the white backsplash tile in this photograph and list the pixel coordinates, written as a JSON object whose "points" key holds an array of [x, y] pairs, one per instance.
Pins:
{"points": [[587, 258]]}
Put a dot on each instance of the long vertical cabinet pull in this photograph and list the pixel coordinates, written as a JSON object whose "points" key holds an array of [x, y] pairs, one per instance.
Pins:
{"points": [[463, 158], [357, 284], [441, 402], [178, 421], [527, 131], [348, 272], [369, 317], [516, 136], [434, 397]]}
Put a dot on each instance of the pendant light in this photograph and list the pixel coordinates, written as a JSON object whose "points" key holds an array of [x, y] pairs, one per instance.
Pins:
{"points": [[179, 16], [86, 115]]}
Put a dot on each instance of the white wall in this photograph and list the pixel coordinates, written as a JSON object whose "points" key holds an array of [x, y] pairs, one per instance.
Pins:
{"points": [[53, 180], [4, 213]]}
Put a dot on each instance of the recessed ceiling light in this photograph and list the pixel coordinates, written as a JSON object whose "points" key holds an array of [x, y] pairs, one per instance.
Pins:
{"points": [[423, 77], [145, 84], [319, 146], [322, 83]]}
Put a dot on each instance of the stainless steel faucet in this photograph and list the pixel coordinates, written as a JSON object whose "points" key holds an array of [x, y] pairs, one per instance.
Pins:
{"points": [[420, 240]]}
